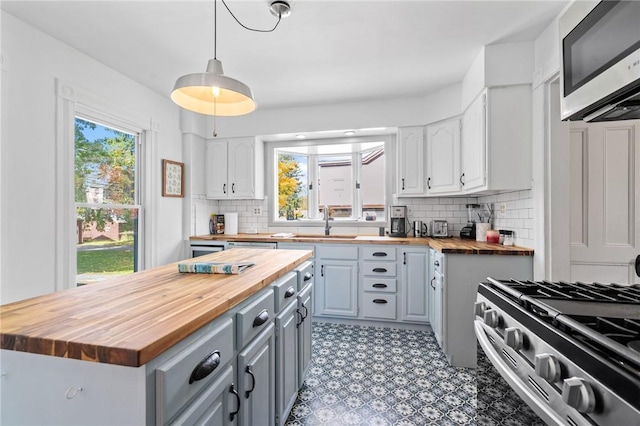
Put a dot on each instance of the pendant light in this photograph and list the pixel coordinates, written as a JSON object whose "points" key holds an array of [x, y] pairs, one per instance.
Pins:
{"points": [[212, 92]]}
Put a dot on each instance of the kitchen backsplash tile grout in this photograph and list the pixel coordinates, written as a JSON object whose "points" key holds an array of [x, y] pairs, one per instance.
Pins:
{"points": [[518, 218]]}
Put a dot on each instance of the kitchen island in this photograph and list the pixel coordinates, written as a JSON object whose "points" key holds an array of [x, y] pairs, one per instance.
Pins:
{"points": [[89, 355]]}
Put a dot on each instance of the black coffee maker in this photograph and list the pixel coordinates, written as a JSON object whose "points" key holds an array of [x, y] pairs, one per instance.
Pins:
{"points": [[469, 231], [398, 221]]}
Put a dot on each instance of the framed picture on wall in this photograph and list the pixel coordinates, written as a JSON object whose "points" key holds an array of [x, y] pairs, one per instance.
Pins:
{"points": [[172, 179]]}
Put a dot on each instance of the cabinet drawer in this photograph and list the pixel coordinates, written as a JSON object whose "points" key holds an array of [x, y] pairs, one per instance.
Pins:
{"points": [[327, 251], [379, 306], [379, 253], [173, 389], [210, 408], [305, 274], [255, 317], [379, 269], [285, 290], [387, 285]]}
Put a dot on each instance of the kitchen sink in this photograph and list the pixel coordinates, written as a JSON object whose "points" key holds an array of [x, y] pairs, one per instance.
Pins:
{"points": [[341, 237]]}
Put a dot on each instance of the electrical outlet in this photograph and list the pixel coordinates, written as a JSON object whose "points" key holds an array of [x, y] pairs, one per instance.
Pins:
{"points": [[257, 211], [502, 210]]}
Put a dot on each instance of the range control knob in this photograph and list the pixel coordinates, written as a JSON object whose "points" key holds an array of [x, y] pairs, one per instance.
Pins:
{"points": [[491, 318], [513, 338], [577, 393], [547, 367], [479, 308]]}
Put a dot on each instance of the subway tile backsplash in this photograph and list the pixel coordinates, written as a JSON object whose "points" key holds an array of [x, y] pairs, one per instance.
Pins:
{"points": [[518, 216]]}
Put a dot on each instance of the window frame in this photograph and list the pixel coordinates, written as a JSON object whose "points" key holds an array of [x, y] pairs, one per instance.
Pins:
{"points": [[72, 102], [271, 181]]}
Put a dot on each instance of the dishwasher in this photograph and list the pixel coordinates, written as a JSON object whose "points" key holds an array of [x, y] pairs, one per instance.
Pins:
{"points": [[252, 244]]}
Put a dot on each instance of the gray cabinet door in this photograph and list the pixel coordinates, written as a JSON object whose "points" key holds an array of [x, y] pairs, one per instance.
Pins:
{"points": [[304, 331], [256, 380], [286, 361], [337, 288], [415, 285]]}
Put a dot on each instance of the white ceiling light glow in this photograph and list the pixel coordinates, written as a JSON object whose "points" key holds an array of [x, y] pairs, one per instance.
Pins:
{"points": [[212, 92]]}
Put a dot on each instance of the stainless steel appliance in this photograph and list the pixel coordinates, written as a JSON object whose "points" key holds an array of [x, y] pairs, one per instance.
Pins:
{"points": [[600, 64], [570, 350], [439, 229], [251, 244], [473, 216], [398, 221], [419, 229], [203, 247]]}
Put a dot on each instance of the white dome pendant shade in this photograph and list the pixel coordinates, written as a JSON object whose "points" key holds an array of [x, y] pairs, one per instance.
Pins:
{"points": [[213, 93]]}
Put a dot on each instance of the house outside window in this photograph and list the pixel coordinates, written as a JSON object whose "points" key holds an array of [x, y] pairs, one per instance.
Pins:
{"points": [[348, 177], [106, 201]]}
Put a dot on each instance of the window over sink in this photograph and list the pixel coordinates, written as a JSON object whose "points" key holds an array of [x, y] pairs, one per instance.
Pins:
{"points": [[348, 176]]}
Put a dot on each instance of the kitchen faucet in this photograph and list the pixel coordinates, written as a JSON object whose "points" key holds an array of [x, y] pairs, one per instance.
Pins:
{"points": [[326, 220]]}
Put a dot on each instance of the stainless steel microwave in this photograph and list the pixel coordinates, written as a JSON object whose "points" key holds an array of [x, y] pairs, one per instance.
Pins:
{"points": [[600, 61]]}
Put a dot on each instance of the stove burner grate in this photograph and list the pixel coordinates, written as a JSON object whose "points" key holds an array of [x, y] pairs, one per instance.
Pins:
{"points": [[579, 291]]}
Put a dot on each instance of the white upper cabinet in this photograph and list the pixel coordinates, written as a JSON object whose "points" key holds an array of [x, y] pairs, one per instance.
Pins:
{"points": [[235, 169], [473, 161], [443, 157], [411, 161], [496, 141]]}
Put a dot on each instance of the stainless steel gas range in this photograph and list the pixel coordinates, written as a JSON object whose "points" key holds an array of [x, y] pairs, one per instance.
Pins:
{"points": [[571, 351]]}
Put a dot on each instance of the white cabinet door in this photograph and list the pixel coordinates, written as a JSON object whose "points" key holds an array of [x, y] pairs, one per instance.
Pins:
{"points": [[411, 161], [414, 284], [241, 168], [216, 169], [443, 157], [337, 288], [235, 169], [474, 138]]}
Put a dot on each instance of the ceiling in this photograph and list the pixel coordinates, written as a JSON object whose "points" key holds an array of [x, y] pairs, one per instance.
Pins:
{"points": [[324, 52]]}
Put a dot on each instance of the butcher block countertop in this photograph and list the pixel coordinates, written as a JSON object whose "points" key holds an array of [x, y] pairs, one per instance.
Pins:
{"points": [[452, 245], [129, 320]]}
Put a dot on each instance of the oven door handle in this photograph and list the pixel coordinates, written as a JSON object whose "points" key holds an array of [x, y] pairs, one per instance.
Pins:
{"points": [[538, 405]]}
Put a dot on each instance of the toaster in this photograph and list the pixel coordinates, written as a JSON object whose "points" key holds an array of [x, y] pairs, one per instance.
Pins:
{"points": [[439, 229]]}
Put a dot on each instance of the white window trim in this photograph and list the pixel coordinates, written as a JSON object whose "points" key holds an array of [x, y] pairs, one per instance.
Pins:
{"points": [[272, 180], [70, 102]]}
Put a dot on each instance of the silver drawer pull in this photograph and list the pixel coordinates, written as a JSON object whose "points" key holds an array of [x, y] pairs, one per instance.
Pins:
{"points": [[380, 254], [261, 318], [205, 367], [379, 285], [290, 292], [307, 276], [381, 270], [379, 301]]}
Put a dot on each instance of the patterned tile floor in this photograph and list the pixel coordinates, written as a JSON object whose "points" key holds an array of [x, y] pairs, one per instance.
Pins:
{"points": [[382, 376]]}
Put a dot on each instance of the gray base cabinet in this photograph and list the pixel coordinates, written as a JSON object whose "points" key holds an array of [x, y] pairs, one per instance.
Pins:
{"points": [[460, 277], [414, 284], [257, 380], [304, 326], [337, 281], [286, 361], [212, 407]]}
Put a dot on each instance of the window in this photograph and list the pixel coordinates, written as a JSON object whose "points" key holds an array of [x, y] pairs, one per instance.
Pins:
{"points": [[106, 201], [347, 177]]}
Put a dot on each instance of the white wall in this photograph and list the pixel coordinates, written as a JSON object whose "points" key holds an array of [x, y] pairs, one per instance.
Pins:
{"points": [[32, 62], [354, 115]]}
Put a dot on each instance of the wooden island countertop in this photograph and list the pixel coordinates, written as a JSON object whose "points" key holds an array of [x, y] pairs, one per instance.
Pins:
{"points": [[129, 320]]}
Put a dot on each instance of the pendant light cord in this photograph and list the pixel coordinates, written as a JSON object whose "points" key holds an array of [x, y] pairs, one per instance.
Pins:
{"points": [[252, 29]]}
